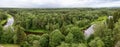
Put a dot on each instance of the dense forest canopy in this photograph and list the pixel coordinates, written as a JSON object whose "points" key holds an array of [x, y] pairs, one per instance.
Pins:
{"points": [[60, 27]]}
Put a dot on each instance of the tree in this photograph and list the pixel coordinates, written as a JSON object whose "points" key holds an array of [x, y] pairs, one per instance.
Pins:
{"points": [[63, 44], [1, 32], [110, 22], [44, 40], [82, 23], [25, 44], [82, 45], [1, 28], [66, 29], [100, 30], [97, 42], [3, 16], [116, 31], [106, 34], [31, 41], [35, 43], [116, 16], [7, 36], [56, 37], [20, 34], [74, 45], [90, 38], [69, 38], [77, 35]]}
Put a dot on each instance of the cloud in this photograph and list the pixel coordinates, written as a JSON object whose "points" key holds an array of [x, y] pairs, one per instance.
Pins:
{"points": [[109, 4], [58, 3]]}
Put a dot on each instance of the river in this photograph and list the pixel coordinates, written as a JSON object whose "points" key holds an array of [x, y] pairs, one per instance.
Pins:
{"points": [[9, 23], [89, 31]]}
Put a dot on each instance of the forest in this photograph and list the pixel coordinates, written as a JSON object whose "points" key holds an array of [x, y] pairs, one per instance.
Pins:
{"points": [[60, 27]]}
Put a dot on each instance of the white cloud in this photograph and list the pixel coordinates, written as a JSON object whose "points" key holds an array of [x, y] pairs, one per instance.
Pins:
{"points": [[59, 3], [109, 4]]}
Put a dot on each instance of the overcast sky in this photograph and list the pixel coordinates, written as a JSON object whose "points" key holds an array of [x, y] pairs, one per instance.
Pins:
{"points": [[58, 3]]}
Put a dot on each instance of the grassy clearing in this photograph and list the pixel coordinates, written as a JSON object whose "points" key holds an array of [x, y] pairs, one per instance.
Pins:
{"points": [[37, 31], [100, 19], [9, 45], [3, 22]]}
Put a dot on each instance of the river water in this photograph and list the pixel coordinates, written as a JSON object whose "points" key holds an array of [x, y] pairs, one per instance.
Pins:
{"points": [[89, 31], [9, 23]]}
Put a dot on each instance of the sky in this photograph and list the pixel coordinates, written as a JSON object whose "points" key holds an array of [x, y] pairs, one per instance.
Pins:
{"points": [[58, 3]]}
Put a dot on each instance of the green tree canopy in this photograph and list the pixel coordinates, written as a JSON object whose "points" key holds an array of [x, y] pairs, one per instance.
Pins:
{"points": [[44, 40], [97, 42], [78, 35], [69, 38], [56, 37]]}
